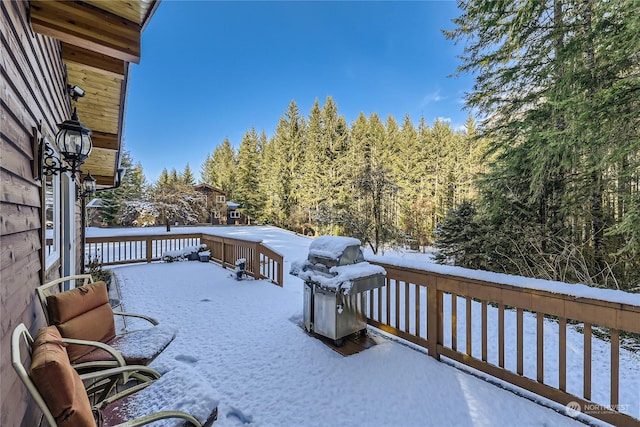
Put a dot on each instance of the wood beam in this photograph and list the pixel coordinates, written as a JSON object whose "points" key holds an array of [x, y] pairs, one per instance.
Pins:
{"points": [[104, 181], [108, 141], [87, 27], [94, 61]]}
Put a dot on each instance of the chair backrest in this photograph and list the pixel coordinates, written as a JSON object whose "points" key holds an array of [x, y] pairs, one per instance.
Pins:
{"points": [[82, 313], [22, 337], [51, 380], [57, 286]]}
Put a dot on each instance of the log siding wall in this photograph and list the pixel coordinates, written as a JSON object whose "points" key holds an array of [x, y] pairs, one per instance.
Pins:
{"points": [[32, 91]]}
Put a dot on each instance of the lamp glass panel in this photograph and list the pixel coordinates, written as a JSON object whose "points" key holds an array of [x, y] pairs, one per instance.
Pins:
{"points": [[89, 185], [52, 223]]}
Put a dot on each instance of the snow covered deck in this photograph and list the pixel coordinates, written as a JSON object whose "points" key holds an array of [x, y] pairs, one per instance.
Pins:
{"points": [[245, 339]]}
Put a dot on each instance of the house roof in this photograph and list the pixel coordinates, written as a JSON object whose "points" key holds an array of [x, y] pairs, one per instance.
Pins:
{"points": [[95, 203], [208, 187], [98, 41]]}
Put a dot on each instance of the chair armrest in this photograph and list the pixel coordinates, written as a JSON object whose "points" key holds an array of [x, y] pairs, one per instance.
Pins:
{"points": [[101, 366], [127, 369], [119, 360], [151, 320], [105, 379], [145, 375], [148, 419]]}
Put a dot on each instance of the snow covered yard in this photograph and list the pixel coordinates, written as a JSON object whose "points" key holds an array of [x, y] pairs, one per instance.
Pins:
{"points": [[245, 339]]}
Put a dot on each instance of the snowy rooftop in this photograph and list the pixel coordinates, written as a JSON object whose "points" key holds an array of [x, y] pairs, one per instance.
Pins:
{"points": [[244, 338]]}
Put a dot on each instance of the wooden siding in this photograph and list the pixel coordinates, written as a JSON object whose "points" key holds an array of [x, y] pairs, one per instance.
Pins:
{"points": [[32, 91]]}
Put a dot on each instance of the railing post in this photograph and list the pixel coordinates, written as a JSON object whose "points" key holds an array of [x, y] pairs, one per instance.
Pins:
{"points": [[434, 319], [224, 251], [256, 261], [149, 249]]}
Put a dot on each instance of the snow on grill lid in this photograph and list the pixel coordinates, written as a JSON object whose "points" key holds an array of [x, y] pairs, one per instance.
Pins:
{"points": [[331, 247]]}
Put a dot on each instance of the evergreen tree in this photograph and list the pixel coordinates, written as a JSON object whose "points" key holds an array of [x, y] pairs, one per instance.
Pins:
{"points": [[164, 177], [282, 168], [218, 170], [269, 185], [187, 176], [547, 80], [457, 238], [208, 172], [247, 176], [110, 207], [174, 179], [333, 147], [132, 187], [312, 193], [368, 215]]}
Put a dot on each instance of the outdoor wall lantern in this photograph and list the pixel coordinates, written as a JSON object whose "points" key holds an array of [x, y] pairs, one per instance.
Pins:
{"points": [[73, 141], [75, 92], [88, 187]]}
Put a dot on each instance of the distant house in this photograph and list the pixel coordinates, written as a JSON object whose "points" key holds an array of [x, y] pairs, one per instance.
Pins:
{"points": [[234, 216], [219, 209], [216, 203]]}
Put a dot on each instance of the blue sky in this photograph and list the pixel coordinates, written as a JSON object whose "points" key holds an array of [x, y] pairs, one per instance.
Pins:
{"points": [[214, 69]]}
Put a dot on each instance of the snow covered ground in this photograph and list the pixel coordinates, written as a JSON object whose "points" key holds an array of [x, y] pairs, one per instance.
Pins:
{"points": [[245, 339]]}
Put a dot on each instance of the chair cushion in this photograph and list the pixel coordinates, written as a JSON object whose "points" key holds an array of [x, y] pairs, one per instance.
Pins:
{"points": [[58, 383], [69, 304], [94, 325], [82, 313]]}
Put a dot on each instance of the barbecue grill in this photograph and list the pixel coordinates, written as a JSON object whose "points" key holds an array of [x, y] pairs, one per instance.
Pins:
{"points": [[336, 278]]}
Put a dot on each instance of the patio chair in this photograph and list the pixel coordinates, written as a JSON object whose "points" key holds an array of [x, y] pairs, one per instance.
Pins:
{"points": [[59, 391], [85, 313]]}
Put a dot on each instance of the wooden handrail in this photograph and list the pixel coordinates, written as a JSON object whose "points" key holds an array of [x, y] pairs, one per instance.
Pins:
{"points": [[262, 261], [427, 303], [412, 306]]}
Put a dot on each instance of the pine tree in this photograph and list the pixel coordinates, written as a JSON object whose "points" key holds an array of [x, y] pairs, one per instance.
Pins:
{"points": [[269, 182], [247, 176], [187, 176], [164, 177], [457, 238], [132, 187], [559, 102], [312, 174], [224, 159], [368, 216], [173, 177], [284, 166]]}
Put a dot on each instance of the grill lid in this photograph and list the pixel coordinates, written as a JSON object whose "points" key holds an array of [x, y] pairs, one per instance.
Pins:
{"points": [[331, 251], [336, 263]]}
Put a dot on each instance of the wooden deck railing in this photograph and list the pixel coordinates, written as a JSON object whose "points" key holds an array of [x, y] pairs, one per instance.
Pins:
{"points": [[262, 262], [420, 306], [476, 323]]}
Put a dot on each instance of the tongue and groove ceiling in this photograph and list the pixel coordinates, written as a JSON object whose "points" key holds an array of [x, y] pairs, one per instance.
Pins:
{"points": [[98, 40]]}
